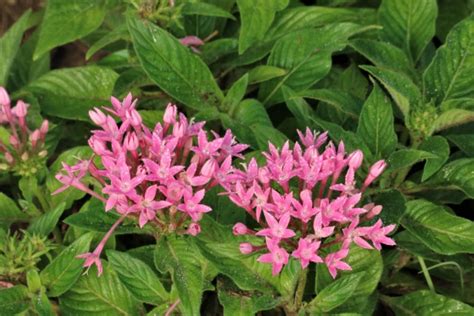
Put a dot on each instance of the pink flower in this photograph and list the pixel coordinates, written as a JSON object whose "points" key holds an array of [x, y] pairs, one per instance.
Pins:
{"points": [[192, 207], [378, 234], [147, 205], [277, 229], [334, 263], [91, 259], [277, 256], [306, 252], [320, 231], [304, 211]]}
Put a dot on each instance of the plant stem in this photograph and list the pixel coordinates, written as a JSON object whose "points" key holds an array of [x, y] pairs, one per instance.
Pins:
{"points": [[426, 273], [300, 289]]}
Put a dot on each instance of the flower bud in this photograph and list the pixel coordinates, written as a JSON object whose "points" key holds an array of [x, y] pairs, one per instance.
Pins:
{"points": [[21, 109], [135, 118], [97, 116], [375, 171], [194, 229], [191, 41], [208, 168], [374, 211], [34, 137], [4, 98], [246, 248], [239, 229], [43, 153], [170, 114], [14, 141], [355, 159], [9, 158], [131, 142], [44, 128]]}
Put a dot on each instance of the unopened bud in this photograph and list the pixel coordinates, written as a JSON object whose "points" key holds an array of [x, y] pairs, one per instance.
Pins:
{"points": [[239, 229], [97, 116], [21, 109], [43, 153], [131, 142], [194, 229], [135, 118], [375, 171], [34, 137], [355, 159], [246, 248], [9, 158], [170, 114], [208, 168], [44, 127], [374, 211], [14, 141], [4, 97]]}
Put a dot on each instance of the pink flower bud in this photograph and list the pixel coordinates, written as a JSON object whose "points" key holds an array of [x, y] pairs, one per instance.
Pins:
{"points": [[34, 137], [97, 116], [374, 211], [21, 109], [14, 141], [191, 41], [355, 159], [9, 158], [4, 97], [131, 142], [246, 248], [135, 118], [44, 128], [375, 171], [194, 229], [170, 114], [209, 168], [239, 229]]}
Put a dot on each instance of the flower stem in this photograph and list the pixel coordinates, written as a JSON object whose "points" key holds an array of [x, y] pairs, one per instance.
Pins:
{"points": [[426, 273], [300, 289]]}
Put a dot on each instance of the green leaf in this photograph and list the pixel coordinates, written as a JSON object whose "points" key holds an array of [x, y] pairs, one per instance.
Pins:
{"points": [[41, 304], [408, 24], [256, 19], [120, 33], [306, 56], [181, 258], [465, 142], [407, 157], [71, 92], [376, 126], [403, 91], [425, 302], [236, 93], [383, 54], [458, 174], [9, 211], [438, 146], [177, 71], [342, 101], [242, 303], [14, 300], [63, 272], [449, 74], [298, 106], [9, 45], [393, 203], [450, 13], [441, 231], [451, 118], [104, 295], [214, 50], [81, 17], [45, 224], [336, 293], [361, 260], [95, 218], [205, 9], [263, 73], [138, 278]]}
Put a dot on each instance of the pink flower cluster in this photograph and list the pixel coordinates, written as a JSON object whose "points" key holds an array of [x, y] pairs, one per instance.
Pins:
{"points": [[157, 175], [306, 199], [25, 152]]}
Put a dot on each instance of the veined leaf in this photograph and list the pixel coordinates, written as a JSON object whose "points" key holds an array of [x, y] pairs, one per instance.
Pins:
{"points": [[9, 212], [45, 224], [256, 17], [81, 17], [438, 146], [451, 118], [449, 75], [408, 24], [340, 100], [9, 45], [441, 231], [71, 92], [63, 272], [104, 295], [14, 300], [465, 142], [263, 73], [376, 124], [173, 67], [298, 106], [205, 9], [458, 174], [406, 157], [138, 277], [425, 302]]}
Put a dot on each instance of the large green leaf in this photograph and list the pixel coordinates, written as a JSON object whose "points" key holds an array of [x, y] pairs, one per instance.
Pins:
{"points": [[256, 17], [383, 54], [205, 9], [63, 272], [71, 92], [14, 300], [441, 231], [408, 24], [342, 101], [45, 224], [407, 157], [452, 118], [376, 124], [438, 146], [298, 106], [94, 295], [465, 142], [80, 16], [335, 293], [173, 67], [9, 212], [181, 258], [138, 277], [458, 174], [449, 75], [9, 45], [425, 302], [401, 88]]}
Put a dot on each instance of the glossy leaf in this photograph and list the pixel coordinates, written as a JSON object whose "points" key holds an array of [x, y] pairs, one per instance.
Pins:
{"points": [[104, 295], [438, 146], [80, 16], [407, 157], [465, 142], [408, 24], [71, 92], [441, 231], [205, 9], [14, 300], [173, 67], [138, 278], [340, 100], [45, 224], [452, 118], [376, 124], [264, 72], [63, 272], [9, 211], [449, 74], [458, 174]]}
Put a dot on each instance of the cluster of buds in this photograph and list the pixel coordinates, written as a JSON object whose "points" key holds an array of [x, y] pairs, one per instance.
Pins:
{"points": [[306, 199], [158, 176], [25, 153]]}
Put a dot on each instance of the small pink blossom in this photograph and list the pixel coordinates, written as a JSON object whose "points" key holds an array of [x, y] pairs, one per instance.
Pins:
{"points": [[277, 256], [334, 262], [306, 252], [277, 229]]}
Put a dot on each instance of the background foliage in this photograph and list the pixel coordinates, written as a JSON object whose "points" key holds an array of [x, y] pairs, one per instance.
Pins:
{"points": [[393, 78]]}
